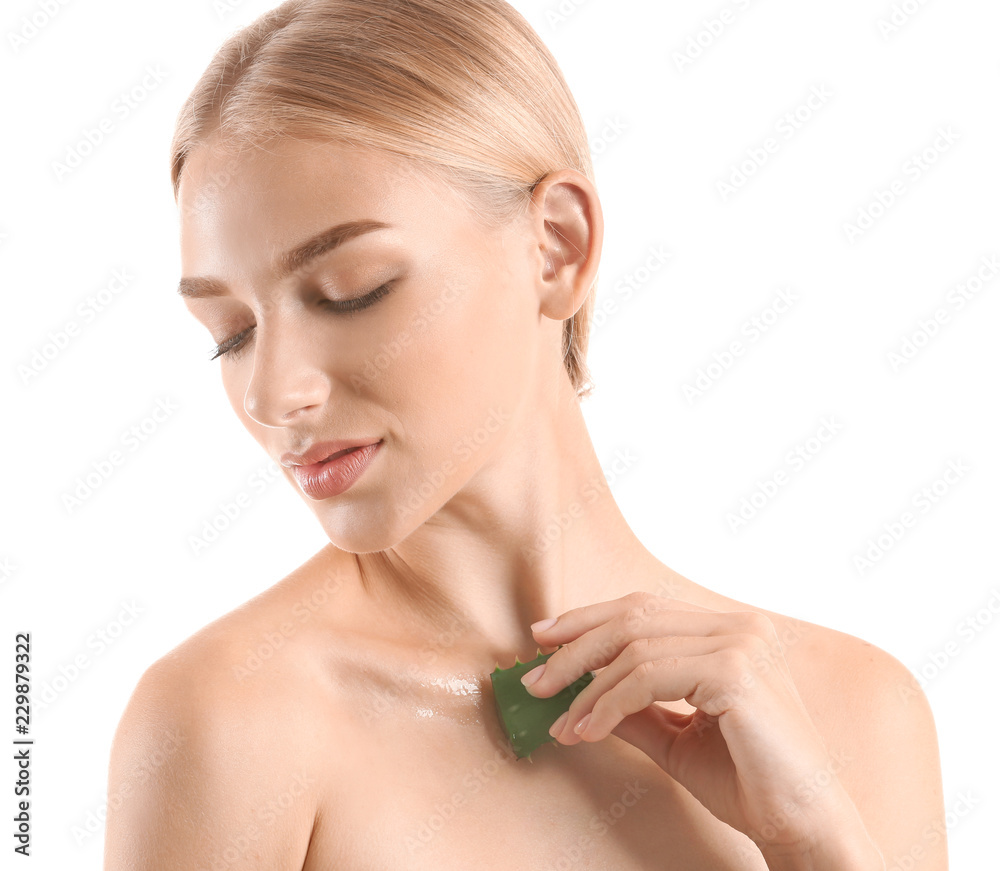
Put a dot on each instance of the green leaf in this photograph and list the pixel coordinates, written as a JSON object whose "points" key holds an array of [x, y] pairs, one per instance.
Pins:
{"points": [[526, 720]]}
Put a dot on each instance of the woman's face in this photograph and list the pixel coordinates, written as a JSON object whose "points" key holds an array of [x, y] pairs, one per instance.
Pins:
{"points": [[439, 367]]}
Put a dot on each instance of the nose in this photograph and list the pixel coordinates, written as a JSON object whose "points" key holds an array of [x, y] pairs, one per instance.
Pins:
{"points": [[288, 379]]}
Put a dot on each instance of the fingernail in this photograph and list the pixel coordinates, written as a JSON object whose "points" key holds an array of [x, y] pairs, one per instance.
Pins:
{"points": [[557, 726], [579, 727], [533, 675], [542, 625]]}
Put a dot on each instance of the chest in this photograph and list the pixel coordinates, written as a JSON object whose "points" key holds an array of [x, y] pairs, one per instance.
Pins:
{"points": [[423, 788]]}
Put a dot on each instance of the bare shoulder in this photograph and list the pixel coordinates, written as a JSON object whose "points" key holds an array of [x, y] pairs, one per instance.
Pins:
{"points": [[849, 685], [852, 686], [879, 728], [212, 761]]}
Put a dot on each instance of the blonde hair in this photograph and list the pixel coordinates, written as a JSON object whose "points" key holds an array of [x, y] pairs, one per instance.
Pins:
{"points": [[464, 87]]}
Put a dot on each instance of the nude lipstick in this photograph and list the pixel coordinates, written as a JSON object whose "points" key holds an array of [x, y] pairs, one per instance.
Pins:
{"points": [[335, 474]]}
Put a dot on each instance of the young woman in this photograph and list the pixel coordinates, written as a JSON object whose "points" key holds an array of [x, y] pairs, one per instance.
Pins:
{"points": [[390, 227]]}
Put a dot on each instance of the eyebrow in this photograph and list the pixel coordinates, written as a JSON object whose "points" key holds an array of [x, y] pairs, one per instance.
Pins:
{"points": [[198, 287]]}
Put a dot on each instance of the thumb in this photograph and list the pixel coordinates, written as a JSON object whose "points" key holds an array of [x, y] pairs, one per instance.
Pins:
{"points": [[653, 731]]}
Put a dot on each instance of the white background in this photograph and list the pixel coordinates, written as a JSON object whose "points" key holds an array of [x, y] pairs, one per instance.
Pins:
{"points": [[663, 137]]}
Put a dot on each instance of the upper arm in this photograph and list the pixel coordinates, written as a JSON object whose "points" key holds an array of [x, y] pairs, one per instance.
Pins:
{"points": [[888, 761], [199, 779]]}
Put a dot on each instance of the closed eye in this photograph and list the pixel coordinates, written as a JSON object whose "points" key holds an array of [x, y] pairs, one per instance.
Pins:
{"points": [[233, 346]]}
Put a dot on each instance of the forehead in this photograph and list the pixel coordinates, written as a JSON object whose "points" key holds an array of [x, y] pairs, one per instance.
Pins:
{"points": [[240, 209]]}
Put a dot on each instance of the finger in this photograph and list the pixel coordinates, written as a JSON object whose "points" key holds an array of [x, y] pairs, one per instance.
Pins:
{"points": [[653, 730], [599, 645], [637, 652], [662, 653], [712, 682], [642, 606], [571, 623]]}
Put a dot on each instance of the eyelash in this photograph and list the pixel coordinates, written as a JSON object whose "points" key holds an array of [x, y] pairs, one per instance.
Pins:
{"points": [[232, 346]]}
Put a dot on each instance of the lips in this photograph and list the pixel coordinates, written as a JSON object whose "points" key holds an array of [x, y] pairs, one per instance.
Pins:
{"points": [[338, 454], [323, 451], [335, 473]]}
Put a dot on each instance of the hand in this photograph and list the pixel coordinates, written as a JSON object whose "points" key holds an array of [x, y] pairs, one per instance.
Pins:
{"points": [[750, 752]]}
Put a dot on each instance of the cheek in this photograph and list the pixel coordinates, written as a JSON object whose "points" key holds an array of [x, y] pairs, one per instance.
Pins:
{"points": [[455, 350], [466, 353]]}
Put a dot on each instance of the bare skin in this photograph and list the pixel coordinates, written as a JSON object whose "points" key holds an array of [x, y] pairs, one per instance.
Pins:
{"points": [[343, 719]]}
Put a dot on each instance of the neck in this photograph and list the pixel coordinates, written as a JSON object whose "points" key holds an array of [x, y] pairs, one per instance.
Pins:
{"points": [[535, 532]]}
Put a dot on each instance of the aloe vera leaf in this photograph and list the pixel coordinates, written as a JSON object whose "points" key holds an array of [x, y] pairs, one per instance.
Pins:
{"points": [[526, 720]]}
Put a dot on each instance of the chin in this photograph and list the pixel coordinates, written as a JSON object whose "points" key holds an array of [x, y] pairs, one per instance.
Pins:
{"points": [[356, 532]]}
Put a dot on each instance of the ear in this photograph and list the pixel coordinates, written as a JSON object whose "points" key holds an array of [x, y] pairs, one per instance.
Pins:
{"points": [[568, 226]]}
